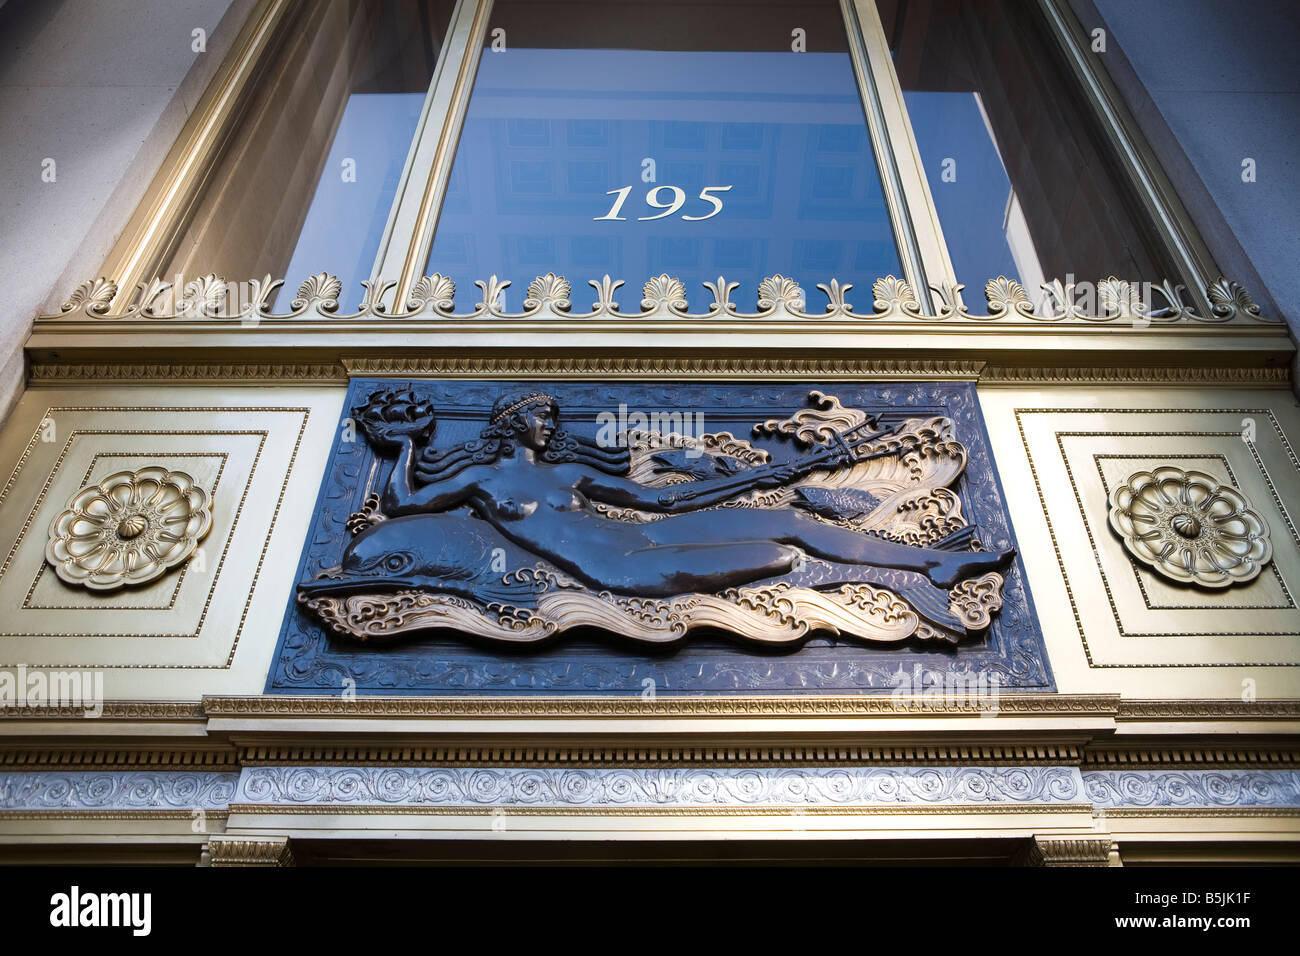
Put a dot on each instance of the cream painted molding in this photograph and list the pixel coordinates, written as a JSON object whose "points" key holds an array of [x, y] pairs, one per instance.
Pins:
{"points": [[1038, 705]]}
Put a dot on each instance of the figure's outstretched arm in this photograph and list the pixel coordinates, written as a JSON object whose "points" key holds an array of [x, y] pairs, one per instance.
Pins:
{"points": [[401, 497], [690, 496]]}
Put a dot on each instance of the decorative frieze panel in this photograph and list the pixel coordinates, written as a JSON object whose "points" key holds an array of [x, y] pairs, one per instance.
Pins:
{"points": [[538, 788], [353, 788], [702, 517], [1111, 789], [81, 791]]}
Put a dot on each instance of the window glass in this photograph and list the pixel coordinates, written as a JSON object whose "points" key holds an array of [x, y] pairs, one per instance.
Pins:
{"points": [[698, 140], [309, 177], [1021, 182]]}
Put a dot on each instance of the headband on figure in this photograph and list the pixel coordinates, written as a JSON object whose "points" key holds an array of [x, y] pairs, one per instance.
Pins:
{"points": [[536, 398]]}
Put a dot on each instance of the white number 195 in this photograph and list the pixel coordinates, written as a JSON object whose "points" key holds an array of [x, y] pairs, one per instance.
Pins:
{"points": [[652, 200]]}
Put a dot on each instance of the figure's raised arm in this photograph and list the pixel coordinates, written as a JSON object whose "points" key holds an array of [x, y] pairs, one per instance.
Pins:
{"points": [[401, 497]]}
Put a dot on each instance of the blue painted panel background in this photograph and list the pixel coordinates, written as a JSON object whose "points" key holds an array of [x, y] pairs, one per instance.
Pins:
{"points": [[310, 661]]}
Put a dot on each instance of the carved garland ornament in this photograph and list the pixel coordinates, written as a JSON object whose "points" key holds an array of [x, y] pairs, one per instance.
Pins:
{"points": [[1188, 527], [128, 529]]}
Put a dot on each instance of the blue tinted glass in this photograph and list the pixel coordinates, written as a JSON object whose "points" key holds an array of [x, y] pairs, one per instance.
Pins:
{"points": [[1022, 182], [345, 221], [572, 161], [972, 191], [307, 179]]}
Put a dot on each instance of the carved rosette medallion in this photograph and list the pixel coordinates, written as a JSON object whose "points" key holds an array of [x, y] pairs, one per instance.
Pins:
{"points": [[1188, 527], [128, 529]]}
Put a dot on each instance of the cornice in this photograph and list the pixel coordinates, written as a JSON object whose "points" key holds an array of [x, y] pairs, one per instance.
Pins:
{"points": [[1230, 709], [687, 366], [1149, 375], [1046, 705], [144, 710], [634, 707], [784, 813], [663, 365], [1203, 812], [34, 756], [46, 816], [1103, 756], [1107, 756], [655, 754], [54, 373]]}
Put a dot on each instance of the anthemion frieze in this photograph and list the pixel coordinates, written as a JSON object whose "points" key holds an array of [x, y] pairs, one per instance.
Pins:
{"points": [[1110, 300]]}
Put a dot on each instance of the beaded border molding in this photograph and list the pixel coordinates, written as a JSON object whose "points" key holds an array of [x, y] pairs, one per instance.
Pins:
{"points": [[662, 297]]}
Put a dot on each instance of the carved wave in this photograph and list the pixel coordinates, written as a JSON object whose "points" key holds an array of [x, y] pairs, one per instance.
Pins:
{"points": [[776, 614], [811, 426]]}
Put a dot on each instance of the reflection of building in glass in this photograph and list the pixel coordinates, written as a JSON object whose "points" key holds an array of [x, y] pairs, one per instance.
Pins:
{"points": [[552, 136], [576, 391]]}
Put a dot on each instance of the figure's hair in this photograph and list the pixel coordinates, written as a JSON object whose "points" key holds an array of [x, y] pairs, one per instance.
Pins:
{"points": [[511, 405], [501, 436]]}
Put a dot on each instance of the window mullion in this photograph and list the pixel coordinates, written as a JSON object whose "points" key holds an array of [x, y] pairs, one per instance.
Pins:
{"points": [[409, 233], [911, 207], [146, 242]]}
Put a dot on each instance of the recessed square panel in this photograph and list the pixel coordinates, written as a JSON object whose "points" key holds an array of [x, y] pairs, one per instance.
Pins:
{"points": [[1267, 592], [192, 615], [1129, 615]]}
